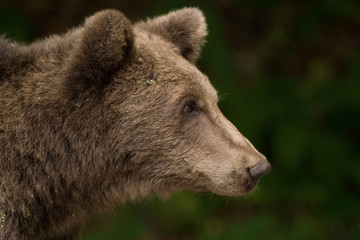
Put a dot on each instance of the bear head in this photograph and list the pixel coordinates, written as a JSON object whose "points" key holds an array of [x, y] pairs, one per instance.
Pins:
{"points": [[153, 114]]}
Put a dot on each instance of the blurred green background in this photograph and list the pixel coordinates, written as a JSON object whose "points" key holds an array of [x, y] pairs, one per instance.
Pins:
{"points": [[289, 74]]}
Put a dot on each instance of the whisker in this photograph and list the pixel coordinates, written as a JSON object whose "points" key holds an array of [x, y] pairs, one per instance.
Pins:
{"points": [[222, 96]]}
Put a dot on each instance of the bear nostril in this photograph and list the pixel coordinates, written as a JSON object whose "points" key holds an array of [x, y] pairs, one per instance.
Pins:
{"points": [[259, 170]]}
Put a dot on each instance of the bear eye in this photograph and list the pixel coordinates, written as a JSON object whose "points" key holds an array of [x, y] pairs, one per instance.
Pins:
{"points": [[190, 107]]}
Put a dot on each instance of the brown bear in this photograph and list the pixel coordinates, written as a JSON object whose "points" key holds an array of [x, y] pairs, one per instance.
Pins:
{"points": [[109, 112]]}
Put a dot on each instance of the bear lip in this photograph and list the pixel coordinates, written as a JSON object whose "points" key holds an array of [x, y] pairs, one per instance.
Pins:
{"points": [[251, 185]]}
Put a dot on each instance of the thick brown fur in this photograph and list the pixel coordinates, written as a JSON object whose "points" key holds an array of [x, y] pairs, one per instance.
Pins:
{"points": [[95, 117]]}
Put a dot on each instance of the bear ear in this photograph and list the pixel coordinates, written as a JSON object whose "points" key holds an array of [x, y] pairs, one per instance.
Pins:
{"points": [[105, 45], [186, 28]]}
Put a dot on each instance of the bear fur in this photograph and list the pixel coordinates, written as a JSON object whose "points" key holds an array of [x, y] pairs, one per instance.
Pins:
{"points": [[106, 113]]}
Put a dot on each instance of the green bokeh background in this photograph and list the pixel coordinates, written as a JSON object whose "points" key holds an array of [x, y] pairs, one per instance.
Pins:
{"points": [[289, 76]]}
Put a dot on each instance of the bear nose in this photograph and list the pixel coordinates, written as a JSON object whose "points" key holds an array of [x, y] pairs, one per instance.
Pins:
{"points": [[260, 169]]}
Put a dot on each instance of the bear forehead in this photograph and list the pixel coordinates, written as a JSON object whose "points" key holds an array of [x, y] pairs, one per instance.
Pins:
{"points": [[169, 67]]}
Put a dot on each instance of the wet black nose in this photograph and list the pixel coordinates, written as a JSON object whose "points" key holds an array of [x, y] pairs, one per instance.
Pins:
{"points": [[259, 170]]}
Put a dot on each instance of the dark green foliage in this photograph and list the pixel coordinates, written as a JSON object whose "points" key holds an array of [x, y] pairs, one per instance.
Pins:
{"points": [[289, 74]]}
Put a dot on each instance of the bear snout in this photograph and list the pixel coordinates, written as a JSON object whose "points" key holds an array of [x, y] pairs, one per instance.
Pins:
{"points": [[260, 169]]}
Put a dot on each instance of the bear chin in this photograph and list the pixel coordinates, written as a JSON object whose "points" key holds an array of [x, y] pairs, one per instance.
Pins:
{"points": [[234, 189]]}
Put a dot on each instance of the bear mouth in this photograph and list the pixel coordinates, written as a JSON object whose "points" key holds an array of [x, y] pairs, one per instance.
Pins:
{"points": [[237, 184], [235, 188], [251, 185]]}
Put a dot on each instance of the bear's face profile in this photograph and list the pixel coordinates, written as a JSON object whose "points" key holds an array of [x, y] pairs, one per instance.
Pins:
{"points": [[176, 136], [107, 113]]}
